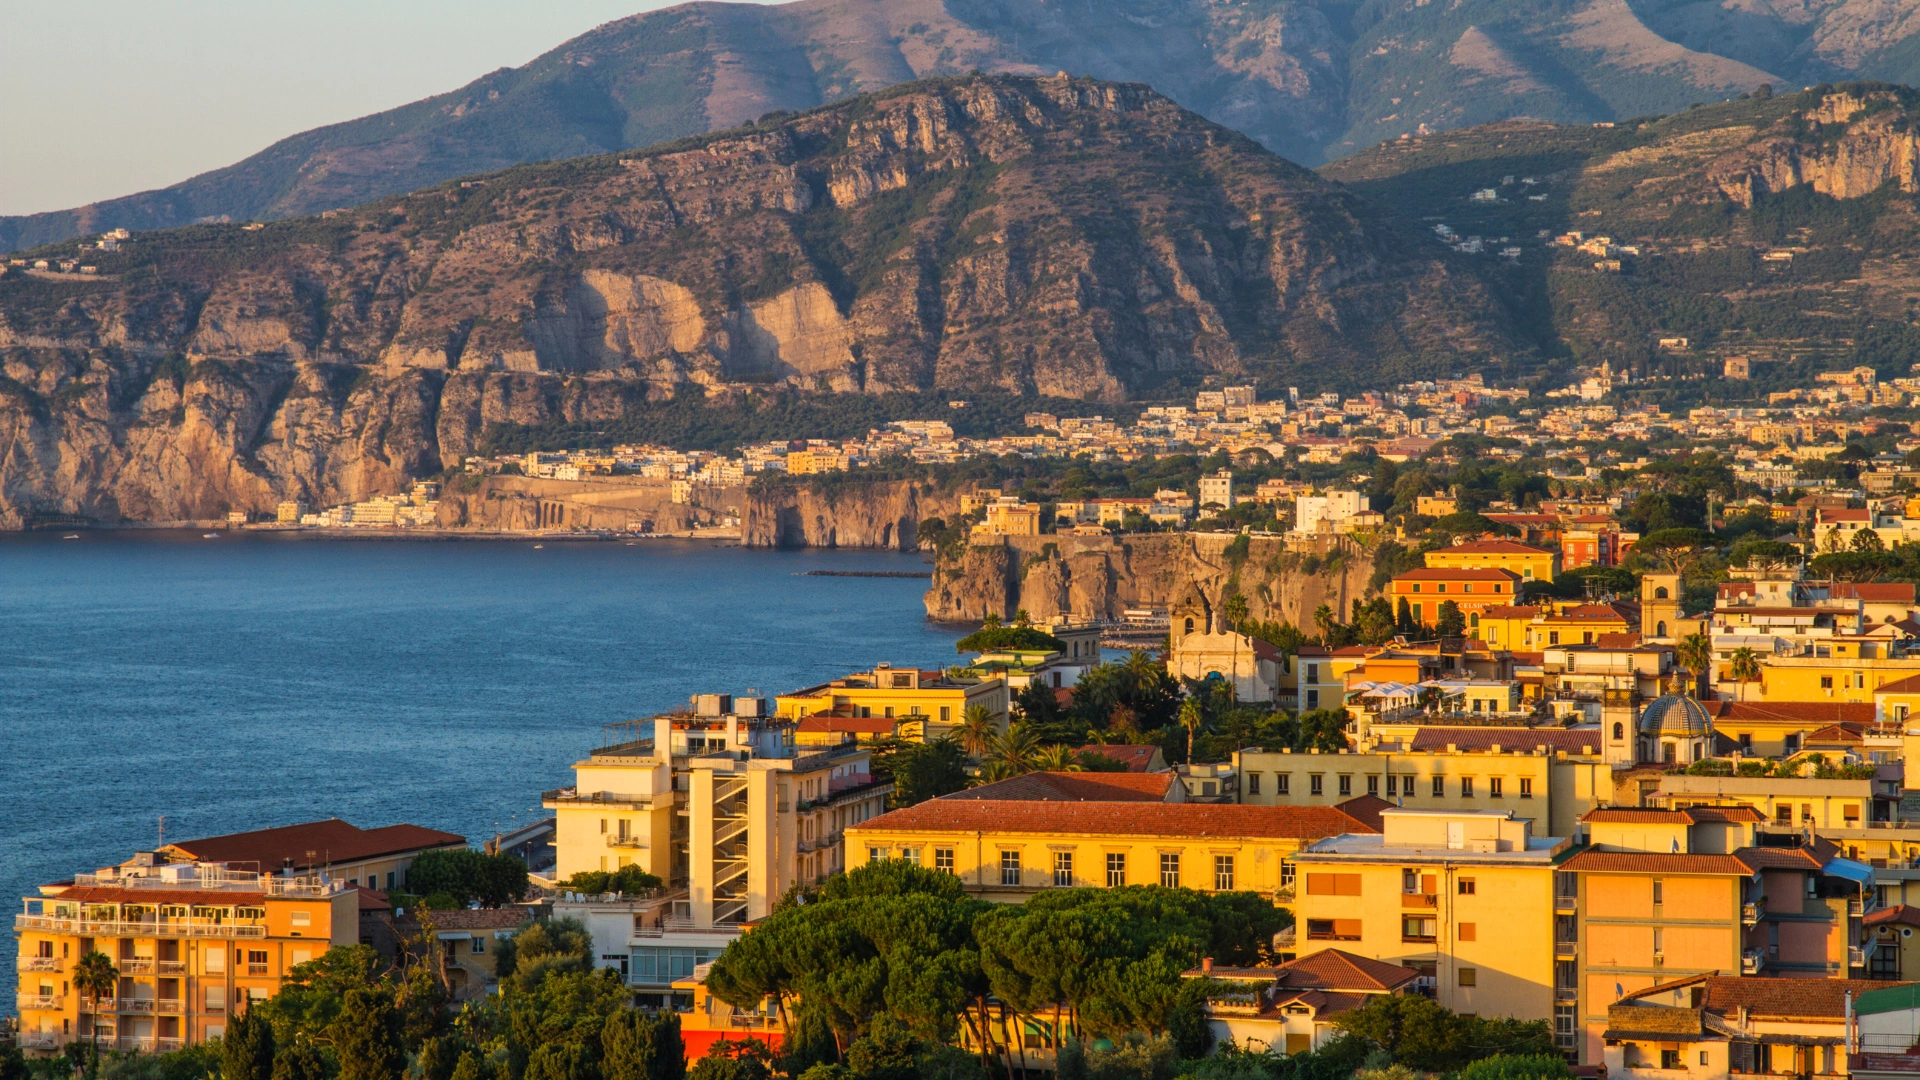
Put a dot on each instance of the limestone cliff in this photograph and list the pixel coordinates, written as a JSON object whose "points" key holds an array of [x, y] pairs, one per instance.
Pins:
{"points": [[1028, 235], [1100, 577], [885, 514], [516, 503]]}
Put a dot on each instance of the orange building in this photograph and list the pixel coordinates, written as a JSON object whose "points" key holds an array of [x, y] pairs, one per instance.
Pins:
{"points": [[1590, 540], [1531, 563], [190, 943], [1470, 590]]}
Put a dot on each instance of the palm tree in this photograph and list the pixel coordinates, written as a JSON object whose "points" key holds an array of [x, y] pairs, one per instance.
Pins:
{"points": [[1193, 720], [1057, 758], [1696, 652], [1016, 749], [1743, 667], [95, 976], [977, 731]]}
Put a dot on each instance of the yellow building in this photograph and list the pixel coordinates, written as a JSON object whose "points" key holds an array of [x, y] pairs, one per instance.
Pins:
{"points": [[1854, 670], [1008, 516], [1549, 776], [1529, 562], [1796, 802], [1464, 898], [1011, 849], [191, 942], [1715, 1027], [807, 462], [1505, 626], [904, 694]]}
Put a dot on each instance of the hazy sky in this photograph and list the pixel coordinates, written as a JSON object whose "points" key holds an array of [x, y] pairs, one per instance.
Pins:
{"points": [[100, 98]]}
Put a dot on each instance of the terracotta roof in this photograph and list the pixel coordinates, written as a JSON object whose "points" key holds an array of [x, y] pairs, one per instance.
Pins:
{"points": [[1522, 519], [1509, 611], [114, 894], [502, 918], [1615, 612], [1726, 814], [1648, 862], [1337, 969], [1845, 734], [1771, 997], [1491, 547], [1573, 741], [1366, 810], [1898, 914], [1776, 858], [312, 844], [1618, 641], [1819, 713], [1873, 592], [1691, 815], [948, 814], [1479, 574], [1908, 685], [1076, 787], [1137, 758], [829, 723], [372, 900]]}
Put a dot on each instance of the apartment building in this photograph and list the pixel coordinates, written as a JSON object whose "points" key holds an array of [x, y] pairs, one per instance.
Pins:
{"points": [[338, 851], [1531, 563], [192, 942], [1462, 898], [1472, 591], [731, 806], [1012, 849], [916, 697], [1714, 1027]]}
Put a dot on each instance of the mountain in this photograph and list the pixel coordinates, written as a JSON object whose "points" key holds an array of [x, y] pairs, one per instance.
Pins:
{"points": [[1312, 80], [1779, 228], [1054, 236]]}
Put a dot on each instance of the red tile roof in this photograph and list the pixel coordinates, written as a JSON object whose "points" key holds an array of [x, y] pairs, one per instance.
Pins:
{"points": [[1491, 547], [1873, 592], [1771, 998], [1646, 862], [114, 894], [1337, 969], [1817, 713], [1573, 741], [312, 844], [1193, 820], [1365, 809], [1137, 758], [1898, 914], [1076, 787], [1773, 858], [372, 900], [1509, 611], [1692, 815]]}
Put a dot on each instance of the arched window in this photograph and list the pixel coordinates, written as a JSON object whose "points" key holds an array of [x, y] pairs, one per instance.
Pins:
{"points": [[1660, 629], [1473, 619], [1189, 625], [1660, 593], [1619, 731]]}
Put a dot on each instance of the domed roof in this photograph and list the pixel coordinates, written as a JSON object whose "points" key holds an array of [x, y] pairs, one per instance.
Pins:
{"points": [[1674, 715]]}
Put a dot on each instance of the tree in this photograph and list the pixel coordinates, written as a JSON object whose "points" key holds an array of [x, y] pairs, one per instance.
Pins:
{"points": [[438, 1057], [977, 729], [1192, 719], [13, 1064], [1235, 607], [1403, 617], [1517, 1067], [1007, 639], [539, 948], [560, 1061], [1743, 666], [1450, 623], [466, 875], [1058, 758], [637, 1047], [1696, 652], [1187, 1025], [95, 977], [1015, 749], [366, 1036], [921, 770], [1867, 540], [734, 1059], [1675, 551], [629, 879], [246, 1051]]}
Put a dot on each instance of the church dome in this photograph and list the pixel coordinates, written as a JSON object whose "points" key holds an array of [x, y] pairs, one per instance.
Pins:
{"points": [[1674, 715]]}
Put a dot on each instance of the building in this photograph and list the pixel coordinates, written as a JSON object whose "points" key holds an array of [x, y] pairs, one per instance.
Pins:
{"points": [[469, 941], [370, 858], [1008, 516], [1217, 490], [914, 696], [1531, 563], [1713, 1027], [1420, 894], [1469, 590], [1314, 514], [728, 805], [1010, 850], [1255, 668], [289, 512], [190, 940], [1291, 1008]]}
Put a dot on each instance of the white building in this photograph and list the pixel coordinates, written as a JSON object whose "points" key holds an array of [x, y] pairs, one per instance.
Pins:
{"points": [[1310, 511], [1217, 490]]}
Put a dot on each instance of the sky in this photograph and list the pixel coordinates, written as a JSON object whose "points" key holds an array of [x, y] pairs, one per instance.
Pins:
{"points": [[101, 98]]}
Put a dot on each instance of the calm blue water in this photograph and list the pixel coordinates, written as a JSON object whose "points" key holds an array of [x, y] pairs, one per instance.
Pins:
{"points": [[247, 682]]}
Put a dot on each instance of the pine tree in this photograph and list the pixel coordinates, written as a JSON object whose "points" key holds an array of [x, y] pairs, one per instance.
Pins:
{"points": [[366, 1037], [246, 1052]]}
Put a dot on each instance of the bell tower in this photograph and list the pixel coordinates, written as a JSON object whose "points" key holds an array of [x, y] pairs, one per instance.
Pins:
{"points": [[1660, 608]]}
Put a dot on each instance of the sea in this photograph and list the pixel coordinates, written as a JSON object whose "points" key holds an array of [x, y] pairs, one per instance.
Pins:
{"points": [[166, 684]]}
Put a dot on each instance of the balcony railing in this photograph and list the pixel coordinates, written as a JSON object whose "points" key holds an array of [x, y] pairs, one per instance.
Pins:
{"points": [[1566, 950], [617, 841], [136, 1005], [1419, 900], [173, 1006], [256, 969], [1566, 993], [135, 965], [1751, 913], [1750, 963], [40, 1040], [1856, 956], [38, 1001], [1566, 903], [107, 928], [170, 967], [39, 963]]}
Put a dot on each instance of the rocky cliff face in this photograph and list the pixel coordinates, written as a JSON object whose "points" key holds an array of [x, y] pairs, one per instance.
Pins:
{"points": [[1094, 577], [1051, 235], [1860, 142], [886, 514]]}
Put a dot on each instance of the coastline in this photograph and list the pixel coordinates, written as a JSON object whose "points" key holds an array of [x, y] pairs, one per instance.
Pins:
{"points": [[378, 532]]}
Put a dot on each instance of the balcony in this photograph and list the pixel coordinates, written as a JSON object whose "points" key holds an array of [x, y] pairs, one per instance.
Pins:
{"points": [[1751, 913], [102, 928], [256, 969], [170, 967], [40, 1040], [39, 963], [104, 1006], [1566, 993], [1566, 950], [135, 1005], [616, 841], [1856, 956], [135, 965], [1566, 905], [1283, 895], [1425, 901], [39, 1001], [1750, 963], [170, 1006]]}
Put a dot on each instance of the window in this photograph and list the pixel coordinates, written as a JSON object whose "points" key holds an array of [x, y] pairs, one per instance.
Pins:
{"points": [[911, 854], [876, 854], [1466, 885], [217, 997], [1670, 1059], [1469, 932], [479, 944], [943, 859], [946, 713], [1783, 814], [1170, 869], [1659, 894], [1223, 873], [1415, 609], [1494, 784], [256, 961], [390, 881], [1346, 784], [1373, 785], [1062, 869], [1526, 787], [1283, 783], [1553, 637], [1313, 699], [1826, 682], [1116, 869], [1333, 929], [1469, 976], [1253, 783], [1009, 868], [1466, 787], [1286, 873], [1619, 731], [1316, 784], [1406, 786], [1439, 787], [1418, 928]]}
